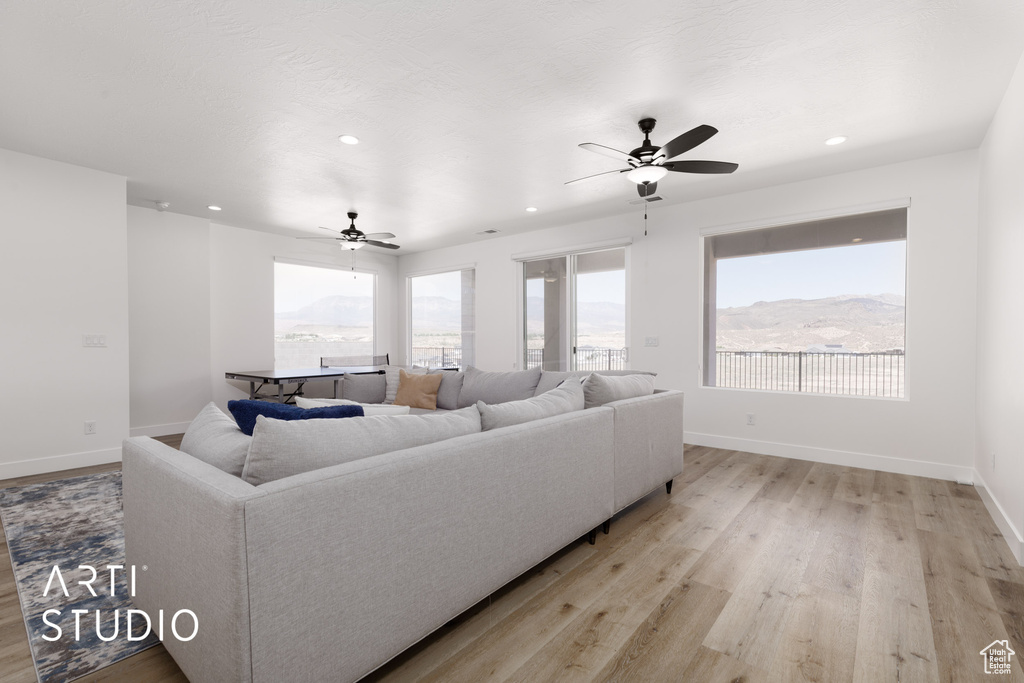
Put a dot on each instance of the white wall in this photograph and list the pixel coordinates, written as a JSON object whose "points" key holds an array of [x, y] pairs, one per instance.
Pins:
{"points": [[169, 319], [931, 433], [1000, 407], [64, 274], [242, 299]]}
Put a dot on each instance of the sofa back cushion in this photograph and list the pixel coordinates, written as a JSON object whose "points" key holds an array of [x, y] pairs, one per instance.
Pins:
{"points": [[551, 379], [215, 438], [364, 388], [497, 387], [245, 412], [368, 409], [601, 389], [565, 398], [451, 387], [281, 449]]}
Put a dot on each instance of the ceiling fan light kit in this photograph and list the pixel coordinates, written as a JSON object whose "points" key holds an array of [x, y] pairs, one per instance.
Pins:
{"points": [[352, 238], [649, 163], [647, 174]]}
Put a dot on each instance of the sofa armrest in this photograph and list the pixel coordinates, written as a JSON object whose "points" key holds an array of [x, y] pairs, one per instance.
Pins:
{"points": [[648, 444], [184, 521]]}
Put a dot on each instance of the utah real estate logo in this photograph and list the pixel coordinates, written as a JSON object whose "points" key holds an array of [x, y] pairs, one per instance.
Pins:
{"points": [[997, 657]]}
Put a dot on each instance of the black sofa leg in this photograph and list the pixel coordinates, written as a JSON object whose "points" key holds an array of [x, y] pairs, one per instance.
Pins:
{"points": [[668, 487], [592, 537], [607, 526]]}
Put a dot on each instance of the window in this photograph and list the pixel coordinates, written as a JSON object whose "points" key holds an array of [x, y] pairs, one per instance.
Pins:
{"points": [[574, 311], [442, 319], [321, 311], [811, 307]]}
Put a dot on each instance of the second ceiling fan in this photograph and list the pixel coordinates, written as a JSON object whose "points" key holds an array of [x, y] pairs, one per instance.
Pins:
{"points": [[649, 163]]}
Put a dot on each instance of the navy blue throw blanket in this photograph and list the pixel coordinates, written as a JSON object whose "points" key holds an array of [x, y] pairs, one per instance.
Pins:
{"points": [[245, 412]]}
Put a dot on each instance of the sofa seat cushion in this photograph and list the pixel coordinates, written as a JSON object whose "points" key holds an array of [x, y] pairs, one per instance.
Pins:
{"points": [[215, 438], [565, 398], [281, 449], [497, 387], [600, 389], [245, 412], [417, 391], [368, 408]]}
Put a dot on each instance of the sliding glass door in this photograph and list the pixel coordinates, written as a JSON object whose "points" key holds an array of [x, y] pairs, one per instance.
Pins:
{"points": [[574, 311]]}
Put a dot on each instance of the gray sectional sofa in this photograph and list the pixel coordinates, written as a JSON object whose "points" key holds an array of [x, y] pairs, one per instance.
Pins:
{"points": [[328, 574]]}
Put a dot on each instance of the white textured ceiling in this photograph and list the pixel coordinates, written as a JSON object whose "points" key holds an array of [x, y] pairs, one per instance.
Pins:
{"points": [[471, 110]]}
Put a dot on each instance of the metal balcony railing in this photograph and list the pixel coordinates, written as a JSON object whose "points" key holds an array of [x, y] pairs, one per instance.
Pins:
{"points": [[851, 374]]}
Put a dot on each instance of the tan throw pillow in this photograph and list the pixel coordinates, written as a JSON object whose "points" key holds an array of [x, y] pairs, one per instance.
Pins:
{"points": [[417, 391]]}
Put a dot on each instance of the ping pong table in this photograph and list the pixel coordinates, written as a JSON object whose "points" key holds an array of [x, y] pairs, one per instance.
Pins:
{"points": [[298, 376]]}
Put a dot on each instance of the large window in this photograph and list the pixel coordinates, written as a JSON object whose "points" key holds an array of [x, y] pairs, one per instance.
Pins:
{"points": [[574, 311], [442, 319], [321, 311], [813, 307]]}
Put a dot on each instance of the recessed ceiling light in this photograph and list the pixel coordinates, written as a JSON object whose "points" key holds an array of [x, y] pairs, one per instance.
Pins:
{"points": [[213, 207], [837, 140], [531, 209], [349, 139]]}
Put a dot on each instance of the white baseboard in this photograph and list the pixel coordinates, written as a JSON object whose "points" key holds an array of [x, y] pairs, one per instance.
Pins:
{"points": [[56, 463], [160, 430], [1010, 532], [882, 463]]}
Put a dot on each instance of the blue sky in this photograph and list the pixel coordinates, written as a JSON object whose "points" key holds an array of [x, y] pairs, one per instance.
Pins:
{"points": [[813, 274]]}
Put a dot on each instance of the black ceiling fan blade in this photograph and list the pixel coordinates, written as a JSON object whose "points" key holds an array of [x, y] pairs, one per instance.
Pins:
{"points": [[328, 229], [588, 177], [695, 166], [686, 142], [322, 239], [608, 152], [379, 236], [647, 190], [386, 245]]}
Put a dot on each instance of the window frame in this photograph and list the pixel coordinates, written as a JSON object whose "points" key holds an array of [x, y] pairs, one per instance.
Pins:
{"points": [[792, 220], [408, 302], [330, 266], [569, 253]]}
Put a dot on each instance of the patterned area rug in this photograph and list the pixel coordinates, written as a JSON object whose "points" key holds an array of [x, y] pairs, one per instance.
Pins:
{"points": [[68, 523]]}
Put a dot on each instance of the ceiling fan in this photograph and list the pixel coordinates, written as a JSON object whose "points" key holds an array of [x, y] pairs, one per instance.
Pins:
{"points": [[649, 163], [353, 238]]}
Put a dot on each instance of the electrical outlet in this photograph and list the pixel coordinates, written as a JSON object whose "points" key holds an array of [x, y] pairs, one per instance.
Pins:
{"points": [[650, 341], [751, 419], [90, 426]]}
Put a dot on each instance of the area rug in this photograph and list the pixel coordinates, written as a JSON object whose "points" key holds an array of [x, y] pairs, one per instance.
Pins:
{"points": [[69, 523]]}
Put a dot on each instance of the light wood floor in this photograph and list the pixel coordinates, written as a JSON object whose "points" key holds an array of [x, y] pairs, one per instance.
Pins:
{"points": [[754, 569]]}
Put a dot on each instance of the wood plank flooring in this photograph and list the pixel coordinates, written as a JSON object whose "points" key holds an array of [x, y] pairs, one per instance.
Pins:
{"points": [[755, 569]]}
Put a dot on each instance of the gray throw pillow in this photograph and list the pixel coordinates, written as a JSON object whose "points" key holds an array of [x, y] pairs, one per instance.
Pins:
{"points": [[601, 389], [215, 438], [364, 388], [451, 386], [550, 379], [280, 449], [565, 398], [497, 387]]}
